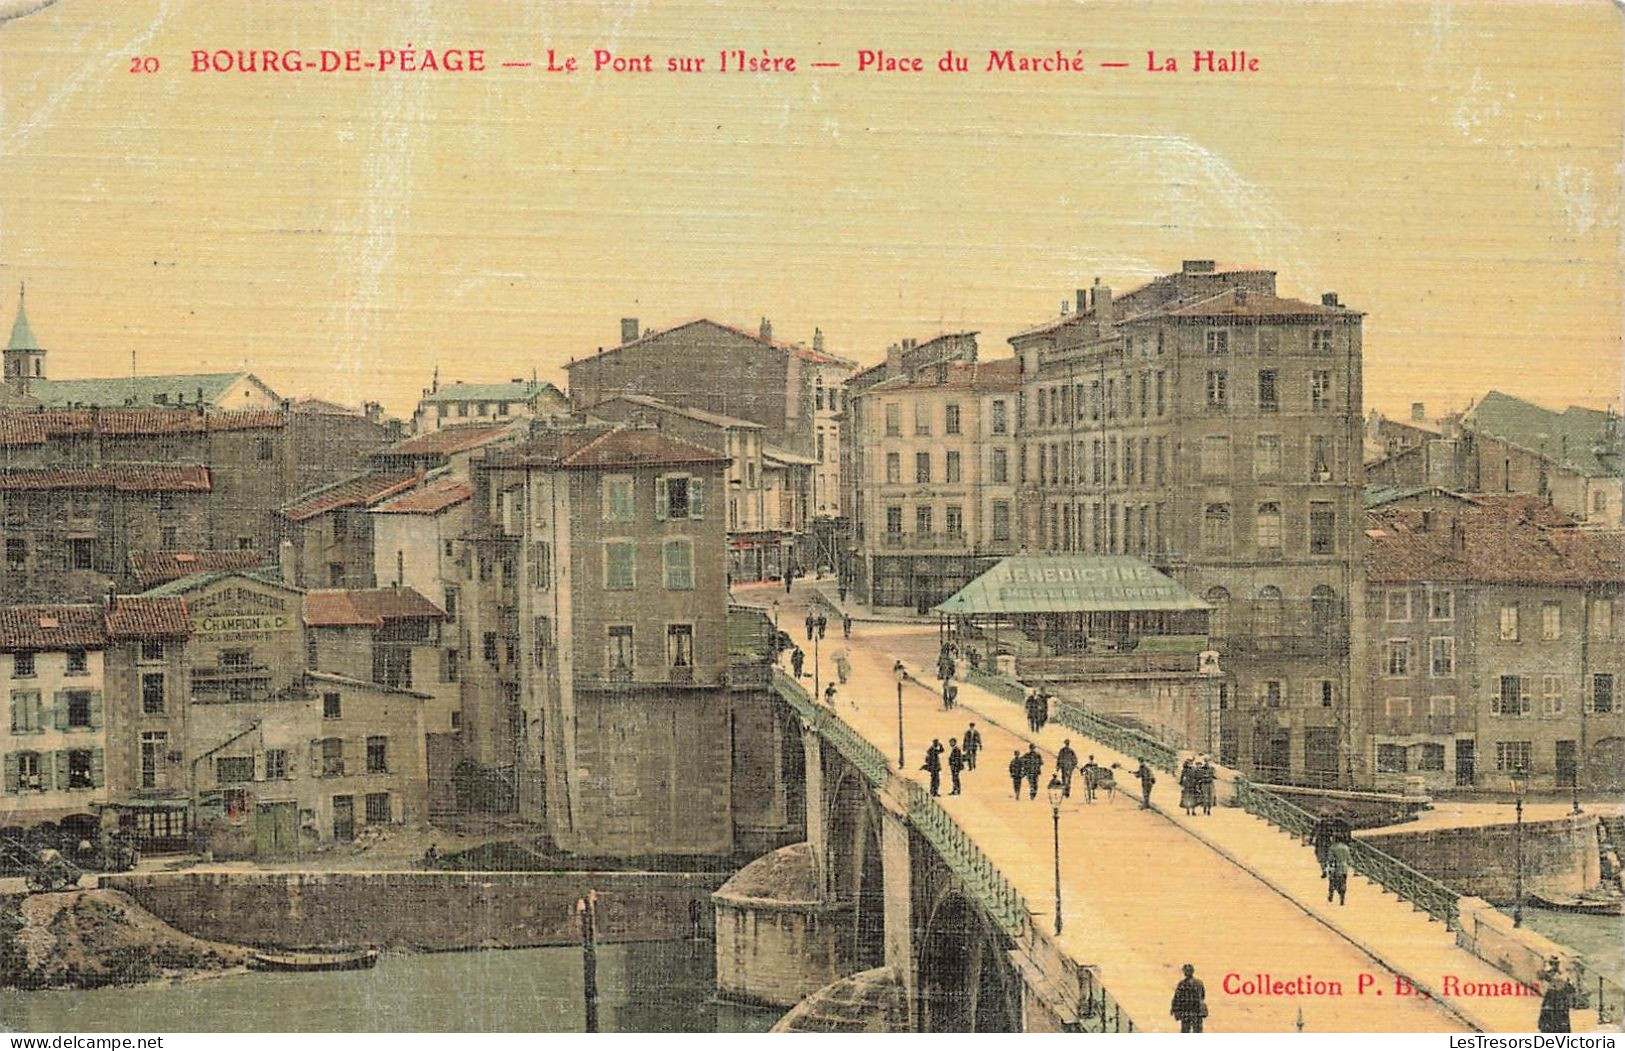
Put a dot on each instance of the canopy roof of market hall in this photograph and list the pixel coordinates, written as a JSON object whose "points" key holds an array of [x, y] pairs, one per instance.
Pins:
{"points": [[1070, 584]]}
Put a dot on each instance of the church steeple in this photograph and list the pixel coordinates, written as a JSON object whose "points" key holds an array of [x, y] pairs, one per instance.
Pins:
{"points": [[25, 358]]}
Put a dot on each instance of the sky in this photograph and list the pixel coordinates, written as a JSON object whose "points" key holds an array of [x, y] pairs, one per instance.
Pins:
{"points": [[1453, 170]]}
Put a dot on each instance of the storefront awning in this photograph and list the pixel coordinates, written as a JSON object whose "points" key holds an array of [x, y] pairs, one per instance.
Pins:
{"points": [[1070, 584]]}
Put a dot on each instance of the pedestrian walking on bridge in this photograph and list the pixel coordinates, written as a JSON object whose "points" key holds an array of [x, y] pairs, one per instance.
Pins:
{"points": [[1091, 779], [846, 623], [1035, 767], [956, 763], [821, 622], [1066, 761], [829, 694], [1557, 999], [1018, 770], [843, 666], [1190, 1001], [933, 765], [797, 659], [973, 744], [1147, 779], [1338, 861]]}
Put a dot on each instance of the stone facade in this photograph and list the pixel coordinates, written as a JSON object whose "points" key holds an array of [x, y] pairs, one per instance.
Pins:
{"points": [[54, 743]]}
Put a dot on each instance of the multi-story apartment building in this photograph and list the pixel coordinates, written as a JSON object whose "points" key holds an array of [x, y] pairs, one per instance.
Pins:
{"points": [[1494, 648], [55, 743], [327, 536], [1213, 427], [937, 453], [602, 604], [1574, 457], [458, 404]]}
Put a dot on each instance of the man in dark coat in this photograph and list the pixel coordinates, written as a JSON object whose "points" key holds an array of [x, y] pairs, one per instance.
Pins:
{"points": [[846, 624], [1018, 770], [1032, 711], [1190, 1001], [1035, 767], [812, 625], [1091, 778], [973, 744], [797, 658], [956, 763], [823, 624], [1321, 838], [933, 765], [1066, 761], [1147, 779]]}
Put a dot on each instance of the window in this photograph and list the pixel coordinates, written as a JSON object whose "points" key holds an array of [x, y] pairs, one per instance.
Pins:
{"points": [[677, 561], [1270, 693], [951, 467], [1322, 528], [1000, 466], [82, 763], [894, 415], [488, 647], [82, 553], [276, 764], [154, 752], [332, 755], [1430, 757], [16, 553], [922, 468], [450, 669], [1216, 527], [1320, 390], [680, 646], [1268, 401], [80, 706], [1215, 456], [619, 655], [951, 420], [1602, 618], [1602, 692], [27, 716], [1442, 657], [1398, 662], [1390, 759], [1510, 699], [1217, 395], [922, 420], [1218, 341], [22, 665], [152, 693], [894, 469], [1551, 694], [620, 571], [1320, 341], [821, 457], [377, 755], [266, 449], [1001, 418], [375, 805], [543, 631], [1441, 605], [1001, 520], [1509, 623], [30, 773], [894, 520], [234, 769], [1268, 537], [1551, 621], [953, 520], [922, 521], [332, 706], [1399, 606], [392, 665], [78, 662], [679, 496], [1512, 756], [619, 504], [152, 651], [1328, 693]]}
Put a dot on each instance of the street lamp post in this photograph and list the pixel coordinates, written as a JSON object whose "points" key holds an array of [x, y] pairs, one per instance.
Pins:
{"points": [[1517, 902], [1055, 815], [902, 676], [816, 695]]}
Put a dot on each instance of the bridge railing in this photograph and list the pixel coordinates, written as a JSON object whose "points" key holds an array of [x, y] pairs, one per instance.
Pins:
{"points": [[1100, 1012], [1421, 890], [826, 724], [1129, 742], [966, 860], [996, 684]]}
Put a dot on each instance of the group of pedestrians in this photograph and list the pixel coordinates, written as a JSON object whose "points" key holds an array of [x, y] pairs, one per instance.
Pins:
{"points": [[817, 624], [1332, 838], [1196, 777], [1037, 710], [960, 759], [1066, 764]]}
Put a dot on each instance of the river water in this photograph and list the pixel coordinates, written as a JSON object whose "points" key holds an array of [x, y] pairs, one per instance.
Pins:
{"points": [[643, 987], [1600, 939]]}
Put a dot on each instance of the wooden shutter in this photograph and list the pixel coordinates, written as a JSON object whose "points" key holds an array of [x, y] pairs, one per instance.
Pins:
{"points": [[96, 710], [98, 769], [696, 497], [13, 774], [61, 709], [17, 699], [661, 501], [61, 770]]}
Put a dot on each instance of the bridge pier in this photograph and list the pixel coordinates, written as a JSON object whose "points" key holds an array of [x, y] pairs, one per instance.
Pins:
{"points": [[897, 873]]}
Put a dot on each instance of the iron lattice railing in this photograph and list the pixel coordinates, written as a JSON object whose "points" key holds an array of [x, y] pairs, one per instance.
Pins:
{"points": [[1129, 742], [975, 870], [996, 684], [1422, 891], [826, 724], [1100, 1012]]}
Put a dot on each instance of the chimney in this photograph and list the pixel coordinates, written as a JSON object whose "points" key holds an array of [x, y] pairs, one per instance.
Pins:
{"points": [[1101, 296], [766, 331], [1198, 266], [818, 340], [894, 359], [908, 344], [1083, 300], [629, 330], [1329, 299], [1064, 305], [1419, 413]]}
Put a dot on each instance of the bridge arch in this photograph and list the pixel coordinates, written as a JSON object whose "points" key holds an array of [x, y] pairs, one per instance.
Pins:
{"points": [[965, 982], [855, 874]]}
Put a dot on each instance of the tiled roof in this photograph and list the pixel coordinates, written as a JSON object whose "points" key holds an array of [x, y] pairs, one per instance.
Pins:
{"points": [[367, 609], [597, 448], [1501, 541], [1585, 441], [148, 617], [523, 390], [1001, 375], [52, 628], [450, 440], [802, 352], [363, 490], [782, 456], [127, 478], [151, 568], [1237, 302], [428, 500], [715, 419], [39, 426], [322, 407], [138, 390]]}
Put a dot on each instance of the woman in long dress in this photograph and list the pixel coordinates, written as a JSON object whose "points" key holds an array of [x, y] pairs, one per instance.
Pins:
{"points": [[1188, 788]]}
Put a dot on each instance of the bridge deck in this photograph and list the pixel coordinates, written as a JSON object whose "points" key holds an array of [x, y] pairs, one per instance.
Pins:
{"points": [[1145, 892]]}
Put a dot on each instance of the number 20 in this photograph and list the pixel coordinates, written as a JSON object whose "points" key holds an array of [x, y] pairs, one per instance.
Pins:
{"points": [[144, 64]]}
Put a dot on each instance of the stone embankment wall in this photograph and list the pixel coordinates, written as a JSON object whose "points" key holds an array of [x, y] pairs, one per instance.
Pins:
{"points": [[1559, 856], [421, 910]]}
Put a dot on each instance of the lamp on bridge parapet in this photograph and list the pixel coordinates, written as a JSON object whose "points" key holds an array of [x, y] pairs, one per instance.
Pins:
{"points": [[1056, 792], [1518, 785], [902, 677]]}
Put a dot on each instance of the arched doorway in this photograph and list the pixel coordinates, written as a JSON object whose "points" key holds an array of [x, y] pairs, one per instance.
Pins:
{"points": [[965, 984]]}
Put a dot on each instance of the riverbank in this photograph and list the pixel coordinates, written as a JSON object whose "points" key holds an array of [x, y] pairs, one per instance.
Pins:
{"points": [[87, 939]]}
